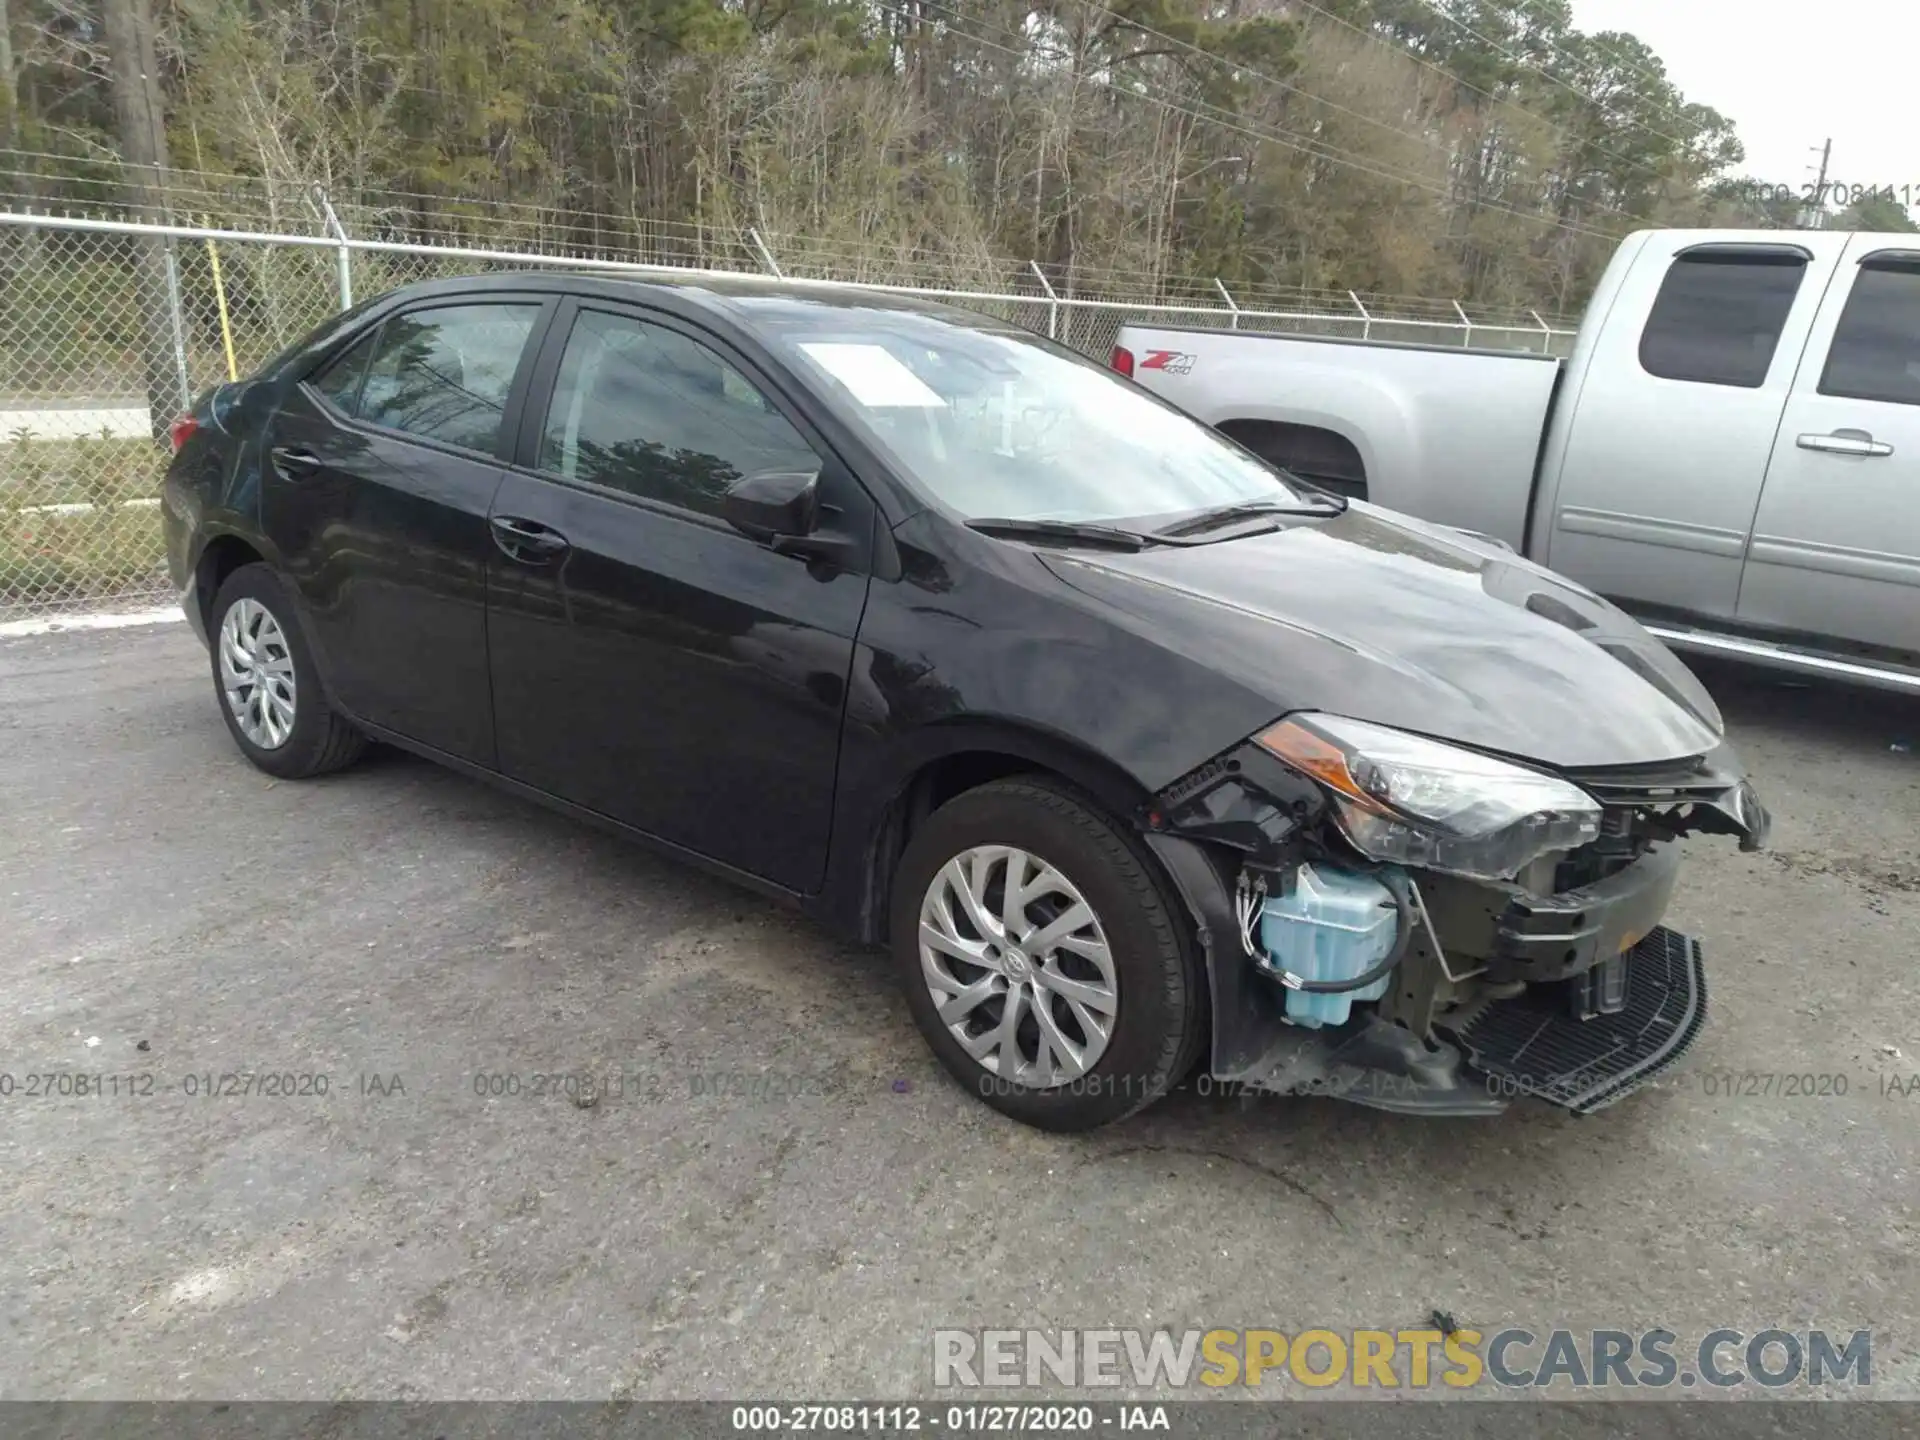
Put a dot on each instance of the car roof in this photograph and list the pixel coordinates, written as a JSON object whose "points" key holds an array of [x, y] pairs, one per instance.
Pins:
{"points": [[743, 298]]}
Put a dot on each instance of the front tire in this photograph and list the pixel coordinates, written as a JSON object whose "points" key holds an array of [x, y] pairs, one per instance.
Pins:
{"points": [[1043, 957], [266, 684]]}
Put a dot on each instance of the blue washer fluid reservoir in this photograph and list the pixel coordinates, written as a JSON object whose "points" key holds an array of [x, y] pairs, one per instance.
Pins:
{"points": [[1333, 925]]}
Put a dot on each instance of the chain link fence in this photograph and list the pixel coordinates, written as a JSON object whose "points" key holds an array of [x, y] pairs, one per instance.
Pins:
{"points": [[110, 328]]}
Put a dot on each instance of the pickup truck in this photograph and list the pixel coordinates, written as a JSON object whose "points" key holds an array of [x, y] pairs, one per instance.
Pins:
{"points": [[1731, 452]]}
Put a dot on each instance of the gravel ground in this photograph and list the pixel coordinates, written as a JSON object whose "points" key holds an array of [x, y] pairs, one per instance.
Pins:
{"points": [[773, 1191]]}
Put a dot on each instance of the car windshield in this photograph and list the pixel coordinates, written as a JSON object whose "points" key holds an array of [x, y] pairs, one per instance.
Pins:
{"points": [[995, 422]]}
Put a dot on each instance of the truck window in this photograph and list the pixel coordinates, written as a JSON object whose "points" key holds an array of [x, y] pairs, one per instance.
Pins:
{"points": [[1876, 347], [1719, 315]]}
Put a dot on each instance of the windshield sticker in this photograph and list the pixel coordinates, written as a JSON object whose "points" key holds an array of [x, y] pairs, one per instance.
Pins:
{"points": [[875, 377], [1174, 362]]}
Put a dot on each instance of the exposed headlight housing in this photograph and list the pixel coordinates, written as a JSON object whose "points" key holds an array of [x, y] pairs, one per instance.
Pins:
{"points": [[1419, 802]]}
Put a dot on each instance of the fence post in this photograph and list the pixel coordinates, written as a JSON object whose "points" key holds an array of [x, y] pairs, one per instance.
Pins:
{"points": [[766, 255], [1366, 328], [343, 256], [1233, 322], [1053, 301], [1546, 333], [1468, 344], [177, 326]]}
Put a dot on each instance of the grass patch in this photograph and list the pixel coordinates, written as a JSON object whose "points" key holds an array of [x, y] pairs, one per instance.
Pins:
{"points": [[94, 470], [113, 552]]}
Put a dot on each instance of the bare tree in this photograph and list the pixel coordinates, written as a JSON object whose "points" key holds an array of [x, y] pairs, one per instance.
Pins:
{"points": [[133, 72], [9, 84]]}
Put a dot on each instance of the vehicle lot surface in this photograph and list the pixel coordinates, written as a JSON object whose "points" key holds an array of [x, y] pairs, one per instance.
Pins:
{"points": [[782, 1195]]}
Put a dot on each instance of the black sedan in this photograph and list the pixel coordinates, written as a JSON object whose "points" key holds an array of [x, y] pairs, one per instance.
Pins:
{"points": [[1135, 751]]}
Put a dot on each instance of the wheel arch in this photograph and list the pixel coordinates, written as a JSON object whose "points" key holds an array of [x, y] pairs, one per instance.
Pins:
{"points": [[1320, 453], [222, 555], [948, 760], [228, 550]]}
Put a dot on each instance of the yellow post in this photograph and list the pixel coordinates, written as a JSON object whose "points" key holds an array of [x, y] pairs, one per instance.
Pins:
{"points": [[220, 299]]}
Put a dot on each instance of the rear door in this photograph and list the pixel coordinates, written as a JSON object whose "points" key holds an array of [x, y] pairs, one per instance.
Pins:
{"points": [[1836, 542], [1674, 421], [649, 661], [378, 475]]}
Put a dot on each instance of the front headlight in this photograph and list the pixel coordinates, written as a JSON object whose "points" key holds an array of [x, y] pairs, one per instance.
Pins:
{"points": [[1419, 802]]}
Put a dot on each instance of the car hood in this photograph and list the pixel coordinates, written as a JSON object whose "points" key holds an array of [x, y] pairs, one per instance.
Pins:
{"points": [[1390, 619]]}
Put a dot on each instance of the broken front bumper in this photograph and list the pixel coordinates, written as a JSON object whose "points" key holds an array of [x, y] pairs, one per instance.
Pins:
{"points": [[1487, 1057], [1530, 1045], [1537, 938], [1484, 1055]]}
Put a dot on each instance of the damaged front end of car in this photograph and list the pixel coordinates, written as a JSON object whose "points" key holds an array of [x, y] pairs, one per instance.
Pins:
{"points": [[1422, 927]]}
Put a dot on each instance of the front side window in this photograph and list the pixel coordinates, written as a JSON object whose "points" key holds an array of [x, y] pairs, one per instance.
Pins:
{"points": [[994, 422], [1718, 316], [444, 373], [1876, 347], [642, 408]]}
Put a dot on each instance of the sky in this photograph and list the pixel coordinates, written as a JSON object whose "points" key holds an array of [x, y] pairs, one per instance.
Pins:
{"points": [[1790, 76]]}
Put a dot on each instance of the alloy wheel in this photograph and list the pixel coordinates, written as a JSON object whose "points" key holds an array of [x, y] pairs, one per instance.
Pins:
{"points": [[1018, 967], [256, 673]]}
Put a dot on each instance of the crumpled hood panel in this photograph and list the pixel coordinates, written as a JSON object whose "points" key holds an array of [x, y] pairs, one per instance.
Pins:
{"points": [[1389, 619]]}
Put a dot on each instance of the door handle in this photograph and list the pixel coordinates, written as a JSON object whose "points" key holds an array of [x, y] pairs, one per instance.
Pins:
{"points": [[292, 462], [527, 541], [1845, 442]]}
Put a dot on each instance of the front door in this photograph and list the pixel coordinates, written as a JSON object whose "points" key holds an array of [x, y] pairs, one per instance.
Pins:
{"points": [[377, 477], [1836, 542], [649, 661]]}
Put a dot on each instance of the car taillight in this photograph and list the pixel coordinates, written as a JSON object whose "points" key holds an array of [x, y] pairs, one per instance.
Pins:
{"points": [[1123, 360], [181, 431]]}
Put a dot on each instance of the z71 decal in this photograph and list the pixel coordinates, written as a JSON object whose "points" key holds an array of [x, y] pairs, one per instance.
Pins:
{"points": [[1174, 362]]}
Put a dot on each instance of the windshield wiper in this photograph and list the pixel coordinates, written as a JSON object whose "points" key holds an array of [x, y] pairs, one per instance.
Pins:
{"points": [[1252, 510], [1062, 530]]}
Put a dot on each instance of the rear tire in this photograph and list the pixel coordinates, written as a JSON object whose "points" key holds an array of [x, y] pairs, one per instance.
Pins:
{"points": [[1134, 954], [266, 685]]}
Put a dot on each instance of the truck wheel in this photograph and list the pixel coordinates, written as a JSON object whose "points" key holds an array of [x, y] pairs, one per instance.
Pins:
{"points": [[1043, 958], [265, 681]]}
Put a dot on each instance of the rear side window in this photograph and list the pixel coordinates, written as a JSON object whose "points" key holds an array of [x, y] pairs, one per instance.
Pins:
{"points": [[444, 373], [340, 381], [647, 410], [1718, 316], [1876, 347]]}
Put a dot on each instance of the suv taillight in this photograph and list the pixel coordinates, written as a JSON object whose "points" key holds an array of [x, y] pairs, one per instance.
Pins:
{"points": [[1123, 360], [181, 431]]}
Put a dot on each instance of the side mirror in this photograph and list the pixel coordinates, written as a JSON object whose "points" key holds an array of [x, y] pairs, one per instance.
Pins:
{"points": [[771, 503]]}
